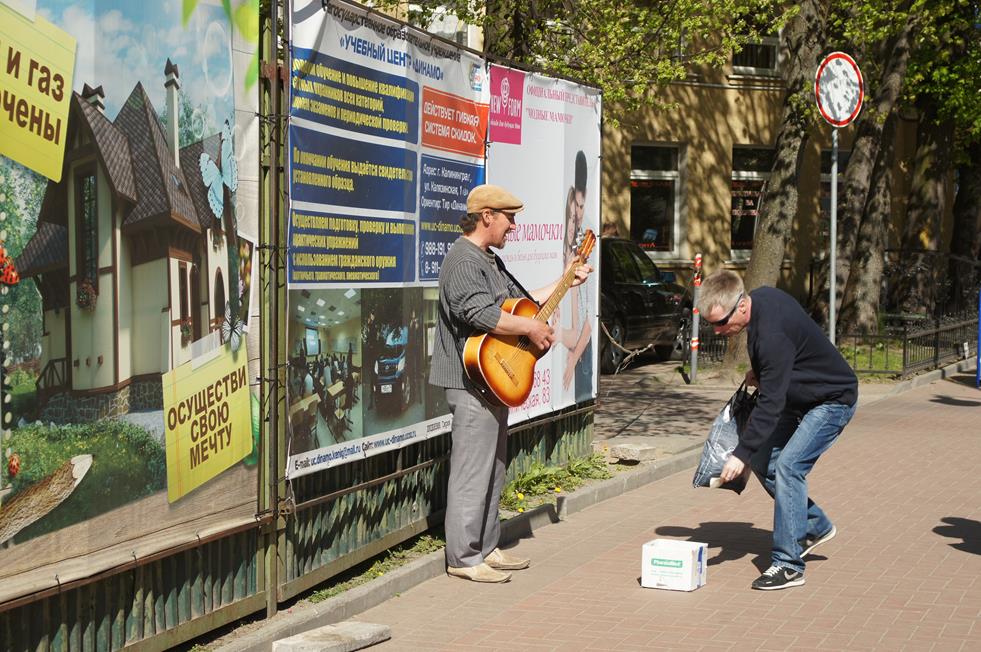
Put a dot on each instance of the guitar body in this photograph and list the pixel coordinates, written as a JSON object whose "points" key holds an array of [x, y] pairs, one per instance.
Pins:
{"points": [[503, 366]]}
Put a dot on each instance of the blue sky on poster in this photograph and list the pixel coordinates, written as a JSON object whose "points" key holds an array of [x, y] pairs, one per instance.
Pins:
{"points": [[121, 42]]}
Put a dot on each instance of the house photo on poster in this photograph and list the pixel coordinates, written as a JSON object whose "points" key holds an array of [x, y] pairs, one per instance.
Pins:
{"points": [[135, 262]]}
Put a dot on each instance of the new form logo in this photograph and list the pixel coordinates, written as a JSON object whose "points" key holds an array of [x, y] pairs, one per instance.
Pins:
{"points": [[507, 93]]}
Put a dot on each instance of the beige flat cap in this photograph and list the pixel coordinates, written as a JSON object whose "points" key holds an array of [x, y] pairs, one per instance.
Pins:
{"points": [[493, 197]]}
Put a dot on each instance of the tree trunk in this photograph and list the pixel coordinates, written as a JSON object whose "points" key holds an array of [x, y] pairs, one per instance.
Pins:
{"points": [[508, 31], [802, 42], [965, 245], [927, 204], [860, 301], [865, 150]]}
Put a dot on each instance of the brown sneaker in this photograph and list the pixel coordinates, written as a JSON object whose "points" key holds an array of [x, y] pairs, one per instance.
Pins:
{"points": [[503, 561], [479, 573]]}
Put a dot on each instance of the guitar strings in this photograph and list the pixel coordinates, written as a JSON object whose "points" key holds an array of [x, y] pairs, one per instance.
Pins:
{"points": [[524, 343]]}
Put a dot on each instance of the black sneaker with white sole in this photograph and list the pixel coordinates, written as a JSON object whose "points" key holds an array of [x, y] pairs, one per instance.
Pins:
{"points": [[808, 544], [778, 577]]}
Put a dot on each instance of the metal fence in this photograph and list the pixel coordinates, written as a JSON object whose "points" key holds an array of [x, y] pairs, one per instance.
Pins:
{"points": [[912, 347]]}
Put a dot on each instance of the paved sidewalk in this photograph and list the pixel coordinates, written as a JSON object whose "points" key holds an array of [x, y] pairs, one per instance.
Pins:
{"points": [[904, 572]]}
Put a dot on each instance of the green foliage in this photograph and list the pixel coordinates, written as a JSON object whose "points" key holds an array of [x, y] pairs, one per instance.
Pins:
{"points": [[628, 48], [377, 567], [21, 192], [541, 480], [946, 64], [23, 394], [127, 464], [881, 355]]}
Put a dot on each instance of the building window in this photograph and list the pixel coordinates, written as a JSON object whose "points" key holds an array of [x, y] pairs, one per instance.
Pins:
{"points": [[182, 290], [442, 22], [655, 198], [757, 58], [750, 169], [88, 228]]}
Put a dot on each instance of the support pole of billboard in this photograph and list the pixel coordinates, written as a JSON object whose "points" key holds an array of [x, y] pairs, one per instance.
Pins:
{"points": [[697, 283], [833, 245], [272, 386], [839, 91]]}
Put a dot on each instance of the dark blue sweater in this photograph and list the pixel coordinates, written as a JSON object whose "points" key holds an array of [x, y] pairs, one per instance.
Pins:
{"points": [[797, 366]]}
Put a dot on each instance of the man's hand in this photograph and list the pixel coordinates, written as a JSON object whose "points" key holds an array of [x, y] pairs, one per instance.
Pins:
{"points": [[540, 333], [751, 379], [733, 468], [582, 271]]}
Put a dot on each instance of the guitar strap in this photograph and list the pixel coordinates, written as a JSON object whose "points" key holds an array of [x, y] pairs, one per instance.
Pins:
{"points": [[517, 284]]}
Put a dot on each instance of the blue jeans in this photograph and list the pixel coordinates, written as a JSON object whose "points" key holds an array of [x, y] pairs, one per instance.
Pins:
{"points": [[792, 451]]}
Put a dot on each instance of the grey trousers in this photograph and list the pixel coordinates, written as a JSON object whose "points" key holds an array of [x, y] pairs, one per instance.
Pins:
{"points": [[477, 463]]}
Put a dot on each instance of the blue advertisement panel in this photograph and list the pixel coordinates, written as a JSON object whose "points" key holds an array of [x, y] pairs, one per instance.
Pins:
{"points": [[338, 93], [444, 185], [371, 99], [334, 170], [317, 236]]}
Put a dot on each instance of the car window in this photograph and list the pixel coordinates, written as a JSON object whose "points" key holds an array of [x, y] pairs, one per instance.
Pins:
{"points": [[648, 270], [623, 267]]}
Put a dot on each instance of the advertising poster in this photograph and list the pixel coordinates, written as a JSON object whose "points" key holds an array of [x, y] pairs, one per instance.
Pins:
{"points": [[132, 231], [387, 137], [551, 127]]}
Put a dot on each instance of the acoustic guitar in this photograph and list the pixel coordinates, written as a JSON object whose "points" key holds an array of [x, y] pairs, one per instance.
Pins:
{"points": [[503, 366]]}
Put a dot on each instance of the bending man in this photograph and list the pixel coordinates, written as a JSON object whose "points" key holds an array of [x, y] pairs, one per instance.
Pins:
{"points": [[807, 396]]}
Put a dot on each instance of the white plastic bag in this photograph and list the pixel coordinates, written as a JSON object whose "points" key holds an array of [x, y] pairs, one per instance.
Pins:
{"points": [[722, 440]]}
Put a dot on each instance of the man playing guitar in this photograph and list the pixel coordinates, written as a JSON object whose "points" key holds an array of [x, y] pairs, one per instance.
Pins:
{"points": [[473, 285]]}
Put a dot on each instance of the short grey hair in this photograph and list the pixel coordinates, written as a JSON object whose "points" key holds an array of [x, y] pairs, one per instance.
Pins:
{"points": [[722, 288]]}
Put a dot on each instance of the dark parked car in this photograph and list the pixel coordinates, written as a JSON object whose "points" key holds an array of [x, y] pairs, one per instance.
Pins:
{"points": [[639, 305]]}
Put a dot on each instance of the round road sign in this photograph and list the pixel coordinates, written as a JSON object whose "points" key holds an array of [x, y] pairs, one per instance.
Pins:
{"points": [[839, 89]]}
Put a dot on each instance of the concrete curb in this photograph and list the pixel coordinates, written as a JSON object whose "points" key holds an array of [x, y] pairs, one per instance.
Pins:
{"points": [[307, 616], [931, 376]]}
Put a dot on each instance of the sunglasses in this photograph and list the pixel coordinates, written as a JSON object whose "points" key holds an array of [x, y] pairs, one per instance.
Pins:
{"points": [[725, 320]]}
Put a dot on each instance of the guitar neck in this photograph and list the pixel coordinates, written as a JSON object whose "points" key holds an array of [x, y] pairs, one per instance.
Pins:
{"points": [[545, 312]]}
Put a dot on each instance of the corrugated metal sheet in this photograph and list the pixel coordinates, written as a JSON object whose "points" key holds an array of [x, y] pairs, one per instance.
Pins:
{"points": [[157, 604]]}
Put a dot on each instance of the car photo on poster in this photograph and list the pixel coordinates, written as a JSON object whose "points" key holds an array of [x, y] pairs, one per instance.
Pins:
{"points": [[392, 389]]}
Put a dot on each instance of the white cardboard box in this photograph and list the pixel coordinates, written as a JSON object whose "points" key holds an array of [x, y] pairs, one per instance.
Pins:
{"points": [[675, 565]]}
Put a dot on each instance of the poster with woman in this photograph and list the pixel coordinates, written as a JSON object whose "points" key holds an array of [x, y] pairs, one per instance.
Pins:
{"points": [[545, 144]]}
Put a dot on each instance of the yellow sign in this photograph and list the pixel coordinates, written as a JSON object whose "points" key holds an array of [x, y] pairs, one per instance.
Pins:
{"points": [[208, 419], [36, 64]]}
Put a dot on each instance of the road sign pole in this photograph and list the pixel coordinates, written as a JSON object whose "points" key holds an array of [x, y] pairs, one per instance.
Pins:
{"points": [[838, 90], [833, 245]]}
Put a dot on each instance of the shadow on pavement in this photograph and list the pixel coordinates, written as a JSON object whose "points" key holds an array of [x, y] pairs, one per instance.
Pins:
{"points": [[655, 409], [964, 379], [961, 528], [734, 540], [955, 402]]}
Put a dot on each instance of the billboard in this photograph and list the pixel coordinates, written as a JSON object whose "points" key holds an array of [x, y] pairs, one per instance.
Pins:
{"points": [[389, 132], [551, 126], [132, 228]]}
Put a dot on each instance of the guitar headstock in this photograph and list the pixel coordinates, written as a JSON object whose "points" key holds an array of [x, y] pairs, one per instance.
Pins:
{"points": [[584, 245]]}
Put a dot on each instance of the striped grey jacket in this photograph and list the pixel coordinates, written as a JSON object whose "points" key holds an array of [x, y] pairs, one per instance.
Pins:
{"points": [[471, 291]]}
